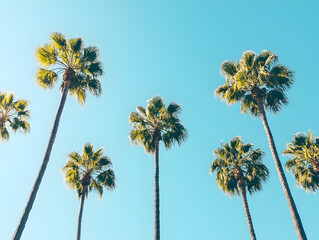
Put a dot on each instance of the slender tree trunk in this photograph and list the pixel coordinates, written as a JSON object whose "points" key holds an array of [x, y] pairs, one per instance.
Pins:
{"points": [[78, 236], [247, 212], [292, 206], [25, 215], [157, 209]]}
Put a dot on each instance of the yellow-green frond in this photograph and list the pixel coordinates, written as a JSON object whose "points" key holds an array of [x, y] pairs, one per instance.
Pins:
{"points": [[46, 55], [46, 78]]}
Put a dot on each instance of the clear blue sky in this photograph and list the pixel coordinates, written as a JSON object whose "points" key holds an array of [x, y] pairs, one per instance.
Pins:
{"points": [[173, 49]]}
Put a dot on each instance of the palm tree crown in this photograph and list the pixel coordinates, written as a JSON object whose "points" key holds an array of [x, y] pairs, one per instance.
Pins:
{"points": [[80, 65], [255, 77], [91, 171], [304, 165], [157, 121], [238, 164], [13, 114]]}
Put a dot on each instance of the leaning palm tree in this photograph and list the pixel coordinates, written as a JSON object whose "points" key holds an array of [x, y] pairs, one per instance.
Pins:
{"points": [[81, 70], [88, 172], [13, 115], [239, 167], [259, 83], [304, 164], [150, 126]]}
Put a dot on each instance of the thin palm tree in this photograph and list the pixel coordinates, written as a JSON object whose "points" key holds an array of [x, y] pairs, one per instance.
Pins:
{"points": [[13, 115], [259, 83], [304, 165], [150, 126], [81, 70], [88, 172], [238, 168]]}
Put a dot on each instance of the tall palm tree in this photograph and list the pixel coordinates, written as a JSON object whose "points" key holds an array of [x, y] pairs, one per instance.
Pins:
{"points": [[259, 83], [150, 126], [88, 172], [304, 164], [239, 167], [81, 70], [13, 114]]}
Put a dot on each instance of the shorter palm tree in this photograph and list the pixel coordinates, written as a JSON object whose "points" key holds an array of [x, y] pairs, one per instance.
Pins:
{"points": [[88, 172], [13, 114], [238, 167], [304, 165]]}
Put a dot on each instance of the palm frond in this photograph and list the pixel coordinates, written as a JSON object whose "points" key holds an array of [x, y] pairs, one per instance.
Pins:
{"points": [[46, 78], [46, 55]]}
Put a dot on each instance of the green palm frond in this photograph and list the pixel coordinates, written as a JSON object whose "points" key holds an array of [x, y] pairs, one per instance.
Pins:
{"points": [[229, 68], [46, 55], [75, 45], [275, 100], [59, 41], [91, 166], [46, 78]]}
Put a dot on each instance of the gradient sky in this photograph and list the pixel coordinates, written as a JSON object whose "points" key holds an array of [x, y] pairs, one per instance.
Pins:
{"points": [[173, 49]]}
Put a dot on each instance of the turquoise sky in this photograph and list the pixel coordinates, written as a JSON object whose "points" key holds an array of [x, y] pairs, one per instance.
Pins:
{"points": [[173, 49]]}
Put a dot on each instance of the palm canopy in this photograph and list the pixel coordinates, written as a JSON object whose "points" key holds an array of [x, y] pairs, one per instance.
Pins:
{"points": [[80, 65], [157, 121], [255, 77], [239, 165], [88, 172], [304, 165], [13, 114]]}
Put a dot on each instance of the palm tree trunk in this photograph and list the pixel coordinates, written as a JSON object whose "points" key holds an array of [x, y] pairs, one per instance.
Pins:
{"points": [[247, 212], [25, 215], [292, 206], [78, 236], [157, 211]]}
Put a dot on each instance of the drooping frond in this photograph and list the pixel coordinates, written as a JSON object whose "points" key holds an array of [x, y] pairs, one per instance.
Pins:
{"points": [[46, 78]]}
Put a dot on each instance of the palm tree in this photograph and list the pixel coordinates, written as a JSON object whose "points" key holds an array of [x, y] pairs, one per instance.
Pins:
{"points": [[259, 83], [238, 168], [81, 70], [13, 114], [150, 126], [88, 172], [304, 164]]}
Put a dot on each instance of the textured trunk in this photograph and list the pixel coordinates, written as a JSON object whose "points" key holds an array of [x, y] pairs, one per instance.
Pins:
{"points": [[315, 166], [78, 236], [249, 220], [157, 210], [25, 215], [293, 209]]}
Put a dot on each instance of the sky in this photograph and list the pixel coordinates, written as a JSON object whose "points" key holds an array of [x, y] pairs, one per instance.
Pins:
{"points": [[171, 49]]}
